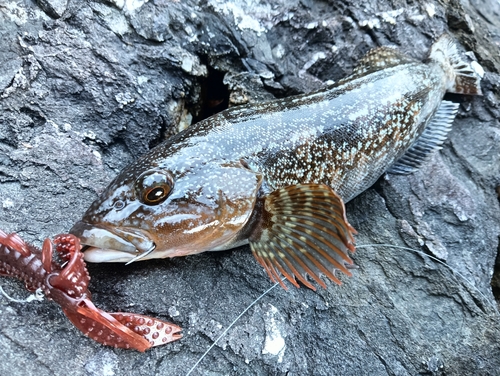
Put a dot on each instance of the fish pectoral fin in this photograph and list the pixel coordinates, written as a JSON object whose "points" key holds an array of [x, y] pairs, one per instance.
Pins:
{"points": [[303, 230], [378, 59], [432, 139]]}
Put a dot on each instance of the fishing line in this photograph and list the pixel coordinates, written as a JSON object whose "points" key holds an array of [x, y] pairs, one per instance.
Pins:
{"points": [[358, 246], [231, 325], [38, 295], [470, 283]]}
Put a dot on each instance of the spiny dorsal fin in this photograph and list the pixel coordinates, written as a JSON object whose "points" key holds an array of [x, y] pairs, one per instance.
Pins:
{"points": [[303, 230], [380, 58], [431, 139]]}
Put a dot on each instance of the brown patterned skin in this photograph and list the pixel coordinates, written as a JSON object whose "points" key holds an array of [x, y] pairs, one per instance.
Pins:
{"points": [[301, 230], [345, 136]]}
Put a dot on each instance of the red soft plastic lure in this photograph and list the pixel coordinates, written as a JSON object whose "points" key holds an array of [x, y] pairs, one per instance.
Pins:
{"points": [[67, 285]]}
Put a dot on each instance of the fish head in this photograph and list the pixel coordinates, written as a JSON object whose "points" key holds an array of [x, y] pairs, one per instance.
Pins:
{"points": [[156, 212]]}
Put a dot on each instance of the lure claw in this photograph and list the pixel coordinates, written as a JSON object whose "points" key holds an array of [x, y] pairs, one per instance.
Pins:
{"points": [[67, 285]]}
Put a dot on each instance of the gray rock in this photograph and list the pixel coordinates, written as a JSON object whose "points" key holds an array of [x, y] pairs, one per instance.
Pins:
{"points": [[53, 8], [82, 96]]}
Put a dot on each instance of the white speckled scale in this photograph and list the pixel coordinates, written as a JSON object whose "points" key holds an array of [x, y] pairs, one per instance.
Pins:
{"points": [[345, 136]]}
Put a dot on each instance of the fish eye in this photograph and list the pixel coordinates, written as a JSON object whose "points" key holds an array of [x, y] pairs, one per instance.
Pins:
{"points": [[153, 187]]}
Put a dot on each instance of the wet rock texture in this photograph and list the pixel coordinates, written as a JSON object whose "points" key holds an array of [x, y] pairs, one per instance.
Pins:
{"points": [[86, 87]]}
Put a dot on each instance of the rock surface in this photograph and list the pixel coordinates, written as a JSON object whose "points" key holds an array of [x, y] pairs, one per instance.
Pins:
{"points": [[86, 87]]}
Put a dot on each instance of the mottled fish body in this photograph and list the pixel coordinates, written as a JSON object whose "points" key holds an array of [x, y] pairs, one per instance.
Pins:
{"points": [[276, 174]]}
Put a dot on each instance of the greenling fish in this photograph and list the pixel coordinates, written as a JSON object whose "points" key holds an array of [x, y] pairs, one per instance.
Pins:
{"points": [[276, 174]]}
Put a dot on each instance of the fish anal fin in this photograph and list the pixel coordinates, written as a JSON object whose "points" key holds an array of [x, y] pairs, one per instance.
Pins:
{"points": [[431, 139], [303, 231]]}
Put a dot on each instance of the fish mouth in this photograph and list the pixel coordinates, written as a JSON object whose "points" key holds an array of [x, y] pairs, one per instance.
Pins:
{"points": [[105, 244]]}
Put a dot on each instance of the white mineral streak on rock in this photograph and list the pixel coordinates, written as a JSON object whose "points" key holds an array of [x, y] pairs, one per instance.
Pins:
{"points": [[97, 155], [242, 19], [430, 9], [124, 98], [129, 5], [7, 203], [389, 17], [251, 14], [173, 311], [15, 13], [372, 23], [274, 343], [315, 57], [114, 17]]}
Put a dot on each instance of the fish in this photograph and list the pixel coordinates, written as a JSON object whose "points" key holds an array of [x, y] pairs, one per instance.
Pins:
{"points": [[276, 175]]}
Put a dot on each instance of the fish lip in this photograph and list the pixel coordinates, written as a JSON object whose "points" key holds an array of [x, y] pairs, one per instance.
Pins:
{"points": [[108, 244]]}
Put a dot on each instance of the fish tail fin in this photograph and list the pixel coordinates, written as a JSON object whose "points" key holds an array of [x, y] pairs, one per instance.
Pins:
{"points": [[464, 74]]}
